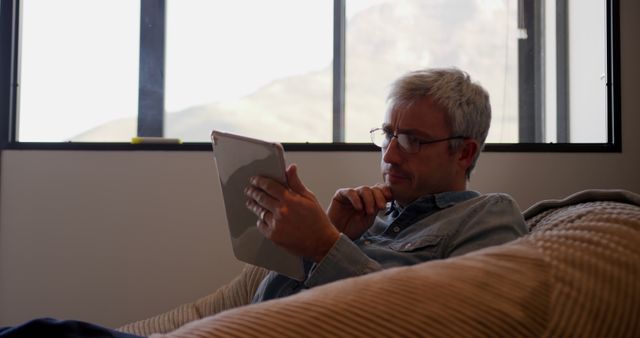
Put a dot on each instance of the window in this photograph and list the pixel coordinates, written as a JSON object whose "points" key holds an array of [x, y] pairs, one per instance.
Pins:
{"points": [[256, 67], [77, 73], [476, 36], [297, 72]]}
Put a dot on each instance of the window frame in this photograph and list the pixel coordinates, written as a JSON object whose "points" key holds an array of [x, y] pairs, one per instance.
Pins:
{"points": [[150, 38]]}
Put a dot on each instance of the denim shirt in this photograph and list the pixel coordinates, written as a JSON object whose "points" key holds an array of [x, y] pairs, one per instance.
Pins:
{"points": [[433, 227]]}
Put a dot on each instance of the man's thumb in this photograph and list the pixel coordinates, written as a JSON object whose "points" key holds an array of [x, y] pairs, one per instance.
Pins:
{"points": [[294, 180]]}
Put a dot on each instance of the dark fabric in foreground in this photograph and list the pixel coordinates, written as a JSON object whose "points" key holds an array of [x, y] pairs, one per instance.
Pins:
{"points": [[49, 327]]}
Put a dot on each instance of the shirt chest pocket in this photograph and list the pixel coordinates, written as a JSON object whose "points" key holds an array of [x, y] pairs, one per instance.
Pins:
{"points": [[429, 243]]}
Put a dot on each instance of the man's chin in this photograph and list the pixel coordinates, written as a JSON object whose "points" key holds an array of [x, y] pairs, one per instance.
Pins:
{"points": [[400, 194]]}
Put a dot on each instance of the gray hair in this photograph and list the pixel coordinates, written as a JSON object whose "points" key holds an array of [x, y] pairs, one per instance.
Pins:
{"points": [[466, 102]]}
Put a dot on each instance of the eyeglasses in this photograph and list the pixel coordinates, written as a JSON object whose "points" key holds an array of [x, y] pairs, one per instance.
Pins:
{"points": [[408, 143]]}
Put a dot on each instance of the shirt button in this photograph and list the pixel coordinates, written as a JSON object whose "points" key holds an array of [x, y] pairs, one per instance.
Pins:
{"points": [[396, 229]]}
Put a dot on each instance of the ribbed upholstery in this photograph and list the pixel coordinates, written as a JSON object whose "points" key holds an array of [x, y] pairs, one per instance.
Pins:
{"points": [[594, 253], [236, 293], [576, 274]]}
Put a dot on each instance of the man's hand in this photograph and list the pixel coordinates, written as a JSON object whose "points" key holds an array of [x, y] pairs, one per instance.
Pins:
{"points": [[291, 217], [352, 210]]}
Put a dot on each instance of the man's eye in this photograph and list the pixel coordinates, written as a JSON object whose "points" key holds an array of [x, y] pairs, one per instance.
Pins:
{"points": [[412, 139]]}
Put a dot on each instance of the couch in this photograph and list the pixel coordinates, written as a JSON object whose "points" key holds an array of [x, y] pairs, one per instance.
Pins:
{"points": [[577, 273]]}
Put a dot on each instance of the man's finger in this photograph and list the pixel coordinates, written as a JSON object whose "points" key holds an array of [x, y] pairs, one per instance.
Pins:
{"points": [[349, 196], [368, 199], [254, 207], [382, 194], [261, 198], [268, 186], [295, 183], [264, 228], [381, 200]]}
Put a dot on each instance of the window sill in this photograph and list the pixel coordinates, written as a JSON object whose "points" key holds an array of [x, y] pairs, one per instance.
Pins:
{"points": [[313, 147]]}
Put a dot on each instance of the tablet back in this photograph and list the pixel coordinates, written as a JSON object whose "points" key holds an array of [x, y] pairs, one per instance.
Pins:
{"points": [[237, 159]]}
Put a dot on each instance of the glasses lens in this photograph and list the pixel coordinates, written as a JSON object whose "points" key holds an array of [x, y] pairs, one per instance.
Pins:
{"points": [[408, 143], [379, 138]]}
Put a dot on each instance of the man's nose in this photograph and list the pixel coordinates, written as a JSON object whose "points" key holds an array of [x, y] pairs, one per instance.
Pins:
{"points": [[392, 154]]}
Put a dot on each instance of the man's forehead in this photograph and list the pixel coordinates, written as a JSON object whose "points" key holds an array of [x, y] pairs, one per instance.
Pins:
{"points": [[411, 119]]}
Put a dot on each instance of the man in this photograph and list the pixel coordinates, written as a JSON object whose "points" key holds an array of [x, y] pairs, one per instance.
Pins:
{"points": [[432, 135]]}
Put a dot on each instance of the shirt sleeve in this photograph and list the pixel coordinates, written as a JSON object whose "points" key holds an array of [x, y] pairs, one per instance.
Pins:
{"points": [[345, 259], [492, 220]]}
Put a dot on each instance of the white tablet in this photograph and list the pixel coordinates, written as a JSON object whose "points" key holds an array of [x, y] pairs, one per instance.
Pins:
{"points": [[239, 158]]}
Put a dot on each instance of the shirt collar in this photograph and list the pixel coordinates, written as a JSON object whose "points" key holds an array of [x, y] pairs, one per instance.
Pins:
{"points": [[447, 199], [441, 200]]}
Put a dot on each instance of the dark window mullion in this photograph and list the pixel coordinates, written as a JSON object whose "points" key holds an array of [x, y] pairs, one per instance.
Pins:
{"points": [[339, 22], [9, 58], [152, 63], [614, 127], [530, 68], [562, 71]]}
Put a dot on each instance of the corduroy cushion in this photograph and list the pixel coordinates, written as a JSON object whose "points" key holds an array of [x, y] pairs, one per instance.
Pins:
{"points": [[236, 293], [576, 274]]}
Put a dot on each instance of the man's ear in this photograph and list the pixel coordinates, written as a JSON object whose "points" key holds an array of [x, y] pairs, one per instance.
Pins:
{"points": [[467, 152]]}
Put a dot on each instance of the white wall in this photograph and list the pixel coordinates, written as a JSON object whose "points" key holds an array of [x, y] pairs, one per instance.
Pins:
{"points": [[112, 237]]}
